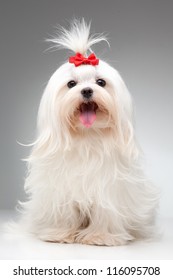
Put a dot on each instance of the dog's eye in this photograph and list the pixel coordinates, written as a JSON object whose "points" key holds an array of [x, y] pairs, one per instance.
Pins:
{"points": [[101, 82], [71, 84]]}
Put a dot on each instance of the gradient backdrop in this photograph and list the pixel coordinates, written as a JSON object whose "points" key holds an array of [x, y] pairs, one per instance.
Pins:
{"points": [[141, 38]]}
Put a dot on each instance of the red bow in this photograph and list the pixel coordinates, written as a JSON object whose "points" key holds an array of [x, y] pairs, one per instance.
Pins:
{"points": [[79, 59]]}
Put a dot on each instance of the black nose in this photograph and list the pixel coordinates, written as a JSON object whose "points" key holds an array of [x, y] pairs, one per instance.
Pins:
{"points": [[87, 92]]}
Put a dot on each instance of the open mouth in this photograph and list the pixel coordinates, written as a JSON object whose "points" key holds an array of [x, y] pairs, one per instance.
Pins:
{"points": [[88, 113]]}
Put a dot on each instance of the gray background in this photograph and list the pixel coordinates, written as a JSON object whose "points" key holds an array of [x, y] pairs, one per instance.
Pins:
{"points": [[141, 38]]}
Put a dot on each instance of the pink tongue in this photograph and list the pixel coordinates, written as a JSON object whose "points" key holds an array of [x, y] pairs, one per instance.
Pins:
{"points": [[87, 117]]}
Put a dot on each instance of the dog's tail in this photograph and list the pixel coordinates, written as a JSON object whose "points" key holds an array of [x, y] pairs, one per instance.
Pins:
{"points": [[77, 38]]}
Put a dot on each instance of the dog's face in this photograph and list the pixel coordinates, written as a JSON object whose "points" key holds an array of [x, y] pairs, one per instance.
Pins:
{"points": [[86, 100], [87, 97]]}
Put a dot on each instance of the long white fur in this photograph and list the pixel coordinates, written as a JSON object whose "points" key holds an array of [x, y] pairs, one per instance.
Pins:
{"points": [[77, 39], [86, 185]]}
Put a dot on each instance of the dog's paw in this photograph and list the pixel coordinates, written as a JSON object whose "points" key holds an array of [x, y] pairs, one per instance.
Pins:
{"points": [[58, 238], [100, 240]]}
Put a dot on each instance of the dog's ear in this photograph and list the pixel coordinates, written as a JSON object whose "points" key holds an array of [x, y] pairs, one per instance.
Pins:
{"points": [[49, 136], [124, 120]]}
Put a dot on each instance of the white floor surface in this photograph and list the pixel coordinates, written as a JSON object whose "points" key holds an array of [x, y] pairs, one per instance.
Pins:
{"points": [[23, 248]]}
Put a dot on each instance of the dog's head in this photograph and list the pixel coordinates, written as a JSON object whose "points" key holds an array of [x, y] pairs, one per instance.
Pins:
{"points": [[85, 97]]}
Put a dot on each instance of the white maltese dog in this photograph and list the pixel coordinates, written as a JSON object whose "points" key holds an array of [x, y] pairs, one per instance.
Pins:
{"points": [[85, 182]]}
